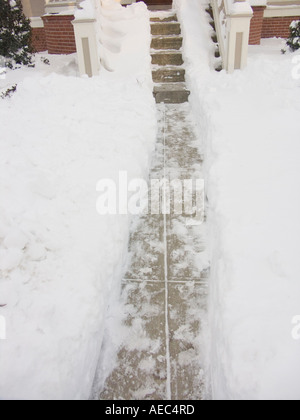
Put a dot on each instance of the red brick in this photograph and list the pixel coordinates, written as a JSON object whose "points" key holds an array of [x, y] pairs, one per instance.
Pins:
{"points": [[277, 26], [59, 34], [39, 39], [256, 25]]}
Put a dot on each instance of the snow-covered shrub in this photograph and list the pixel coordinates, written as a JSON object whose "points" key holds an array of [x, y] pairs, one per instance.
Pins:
{"points": [[7, 94], [15, 33], [294, 40]]}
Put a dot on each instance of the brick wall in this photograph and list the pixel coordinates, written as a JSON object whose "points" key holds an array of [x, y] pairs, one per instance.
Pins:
{"points": [[39, 39], [59, 33], [277, 27], [256, 25]]}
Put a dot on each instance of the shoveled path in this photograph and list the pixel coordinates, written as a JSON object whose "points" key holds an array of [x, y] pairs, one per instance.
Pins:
{"points": [[164, 290], [165, 287]]}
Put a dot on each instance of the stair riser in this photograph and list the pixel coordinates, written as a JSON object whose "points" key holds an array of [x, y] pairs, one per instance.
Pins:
{"points": [[166, 43], [168, 76], [167, 19], [166, 29], [172, 97], [167, 59]]}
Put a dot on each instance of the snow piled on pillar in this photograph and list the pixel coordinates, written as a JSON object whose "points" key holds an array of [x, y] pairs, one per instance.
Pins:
{"points": [[124, 31]]}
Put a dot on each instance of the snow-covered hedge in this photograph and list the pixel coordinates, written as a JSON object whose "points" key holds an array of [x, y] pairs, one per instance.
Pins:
{"points": [[15, 33], [294, 40]]}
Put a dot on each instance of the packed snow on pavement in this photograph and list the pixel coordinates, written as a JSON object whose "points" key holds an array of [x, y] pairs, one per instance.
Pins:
{"points": [[60, 261], [250, 122]]}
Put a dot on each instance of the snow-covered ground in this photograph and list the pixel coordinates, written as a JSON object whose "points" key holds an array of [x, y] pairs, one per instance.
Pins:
{"points": [[250, 121], [60, 261]]}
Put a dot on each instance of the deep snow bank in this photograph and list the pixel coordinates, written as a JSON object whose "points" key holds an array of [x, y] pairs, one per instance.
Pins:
{"points": [[250, 121], [61, 262]]}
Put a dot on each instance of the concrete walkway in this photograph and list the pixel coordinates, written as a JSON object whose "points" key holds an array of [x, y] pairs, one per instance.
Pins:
{"points": [[164, 290]]}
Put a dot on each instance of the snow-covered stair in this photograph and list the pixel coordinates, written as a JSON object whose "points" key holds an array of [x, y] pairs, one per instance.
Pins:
{"points": [[168, 73]]}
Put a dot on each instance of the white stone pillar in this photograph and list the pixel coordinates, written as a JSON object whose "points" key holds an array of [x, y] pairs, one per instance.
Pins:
{"points": [[238, 32], [86, 45]]}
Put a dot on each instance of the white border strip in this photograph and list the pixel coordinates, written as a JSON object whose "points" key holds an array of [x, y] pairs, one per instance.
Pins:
{"points": [[36, 22], [282, 11]]}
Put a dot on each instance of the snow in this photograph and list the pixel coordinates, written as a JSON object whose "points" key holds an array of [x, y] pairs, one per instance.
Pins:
{"points": [[258, 3], [86, 10], [250, 121], [61, 263], [233, 7], [241, 8], [125, 30]]}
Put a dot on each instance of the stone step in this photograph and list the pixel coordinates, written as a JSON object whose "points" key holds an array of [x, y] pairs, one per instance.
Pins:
{"points": [[168, 93], [172, 18], [166, 7], [168, 75], [167, 59], [166, 29], [166, 43]]}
